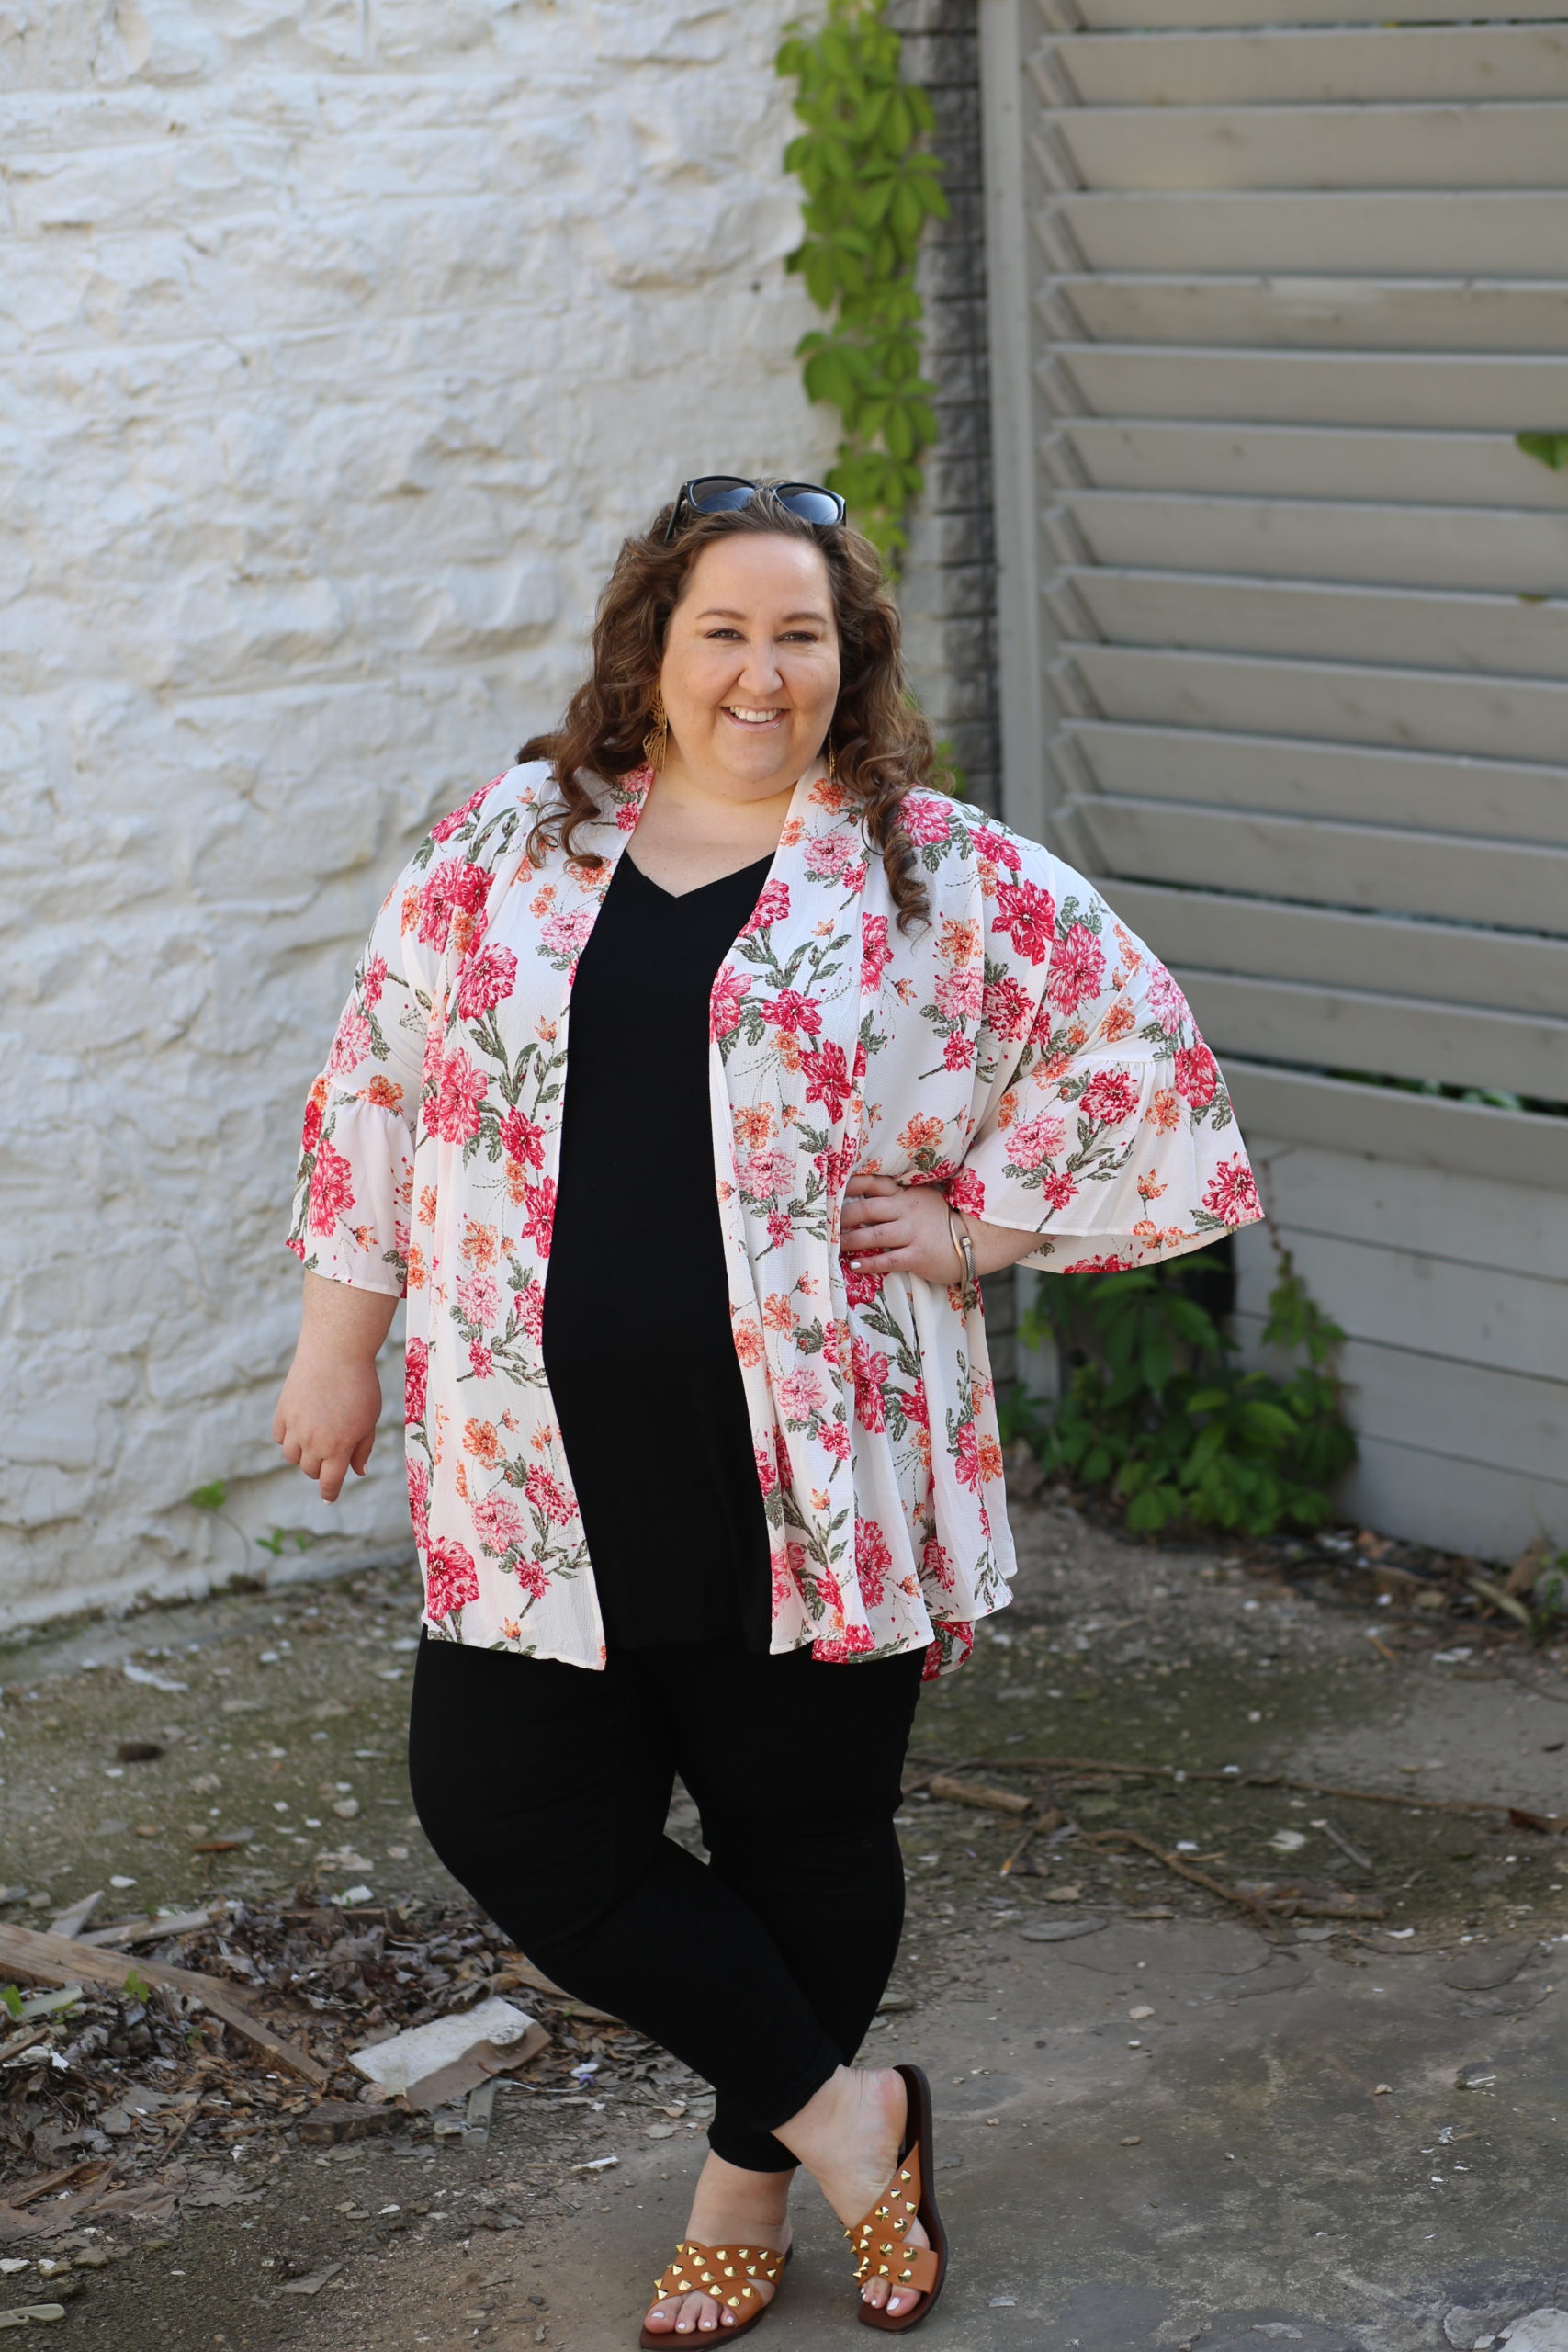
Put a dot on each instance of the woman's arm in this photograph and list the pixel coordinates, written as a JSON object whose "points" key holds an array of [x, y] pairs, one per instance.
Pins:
{"points": [[326, 1416], [889, 1229]]}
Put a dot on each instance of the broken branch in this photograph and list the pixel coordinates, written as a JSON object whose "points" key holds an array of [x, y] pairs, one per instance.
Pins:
{"points": [[1248, 1903], [1246, 1780]]}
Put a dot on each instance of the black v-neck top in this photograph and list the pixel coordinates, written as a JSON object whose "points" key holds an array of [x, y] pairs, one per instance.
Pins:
{"points": [[637, 1338]]}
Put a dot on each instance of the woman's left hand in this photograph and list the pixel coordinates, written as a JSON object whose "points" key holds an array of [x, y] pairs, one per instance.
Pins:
{"points": [[888, 1228]]}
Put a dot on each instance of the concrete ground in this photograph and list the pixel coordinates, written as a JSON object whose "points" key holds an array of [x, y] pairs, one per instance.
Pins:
{"points": [[1156, 2126]]}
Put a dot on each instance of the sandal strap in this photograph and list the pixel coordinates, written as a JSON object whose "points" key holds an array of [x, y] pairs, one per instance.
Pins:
{"points": [[729, 2273], [878, 2236]]}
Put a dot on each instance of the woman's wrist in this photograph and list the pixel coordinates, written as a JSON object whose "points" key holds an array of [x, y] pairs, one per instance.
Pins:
{"points": [[998, 1245], [342, 1323]]}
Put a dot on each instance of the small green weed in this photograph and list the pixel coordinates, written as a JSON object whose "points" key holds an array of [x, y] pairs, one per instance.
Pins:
{"points": [[213, 1499]]}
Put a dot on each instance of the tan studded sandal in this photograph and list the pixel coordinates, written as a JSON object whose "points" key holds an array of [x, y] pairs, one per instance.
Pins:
{"points": [[726, 2273], [878, 2238]]}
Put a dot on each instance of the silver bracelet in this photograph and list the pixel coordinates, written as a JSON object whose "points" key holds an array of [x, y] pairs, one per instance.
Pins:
{"points": [[969, 1280]]}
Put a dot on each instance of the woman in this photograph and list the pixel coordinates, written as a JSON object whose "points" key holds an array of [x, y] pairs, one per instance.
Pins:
{"points": [[694, 1073]]}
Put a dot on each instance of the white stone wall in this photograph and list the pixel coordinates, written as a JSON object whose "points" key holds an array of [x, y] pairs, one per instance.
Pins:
{"points": [[341, 339]]}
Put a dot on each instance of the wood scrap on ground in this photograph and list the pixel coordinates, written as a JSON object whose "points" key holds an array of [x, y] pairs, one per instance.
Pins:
{"points": [[57, 1960]]}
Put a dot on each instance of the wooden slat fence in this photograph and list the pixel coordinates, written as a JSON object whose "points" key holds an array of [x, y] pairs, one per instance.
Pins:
{"points": [[1285, 634]]}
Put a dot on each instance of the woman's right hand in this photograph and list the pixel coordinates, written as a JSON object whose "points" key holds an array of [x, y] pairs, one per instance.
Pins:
{"points": [[326, 1416]]}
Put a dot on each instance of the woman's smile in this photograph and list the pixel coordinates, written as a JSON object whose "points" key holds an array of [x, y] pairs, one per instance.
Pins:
{"points": [[753, 718]]}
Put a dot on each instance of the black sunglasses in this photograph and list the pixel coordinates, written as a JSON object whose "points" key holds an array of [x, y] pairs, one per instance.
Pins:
{"points": [[718, 493]]}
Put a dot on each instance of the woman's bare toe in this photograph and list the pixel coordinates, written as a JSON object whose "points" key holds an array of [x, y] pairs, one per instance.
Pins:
{"points": [[880, 2292]]}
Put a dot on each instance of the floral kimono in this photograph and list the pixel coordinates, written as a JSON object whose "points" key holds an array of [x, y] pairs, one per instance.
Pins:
{"points": [[1021, 1049]]}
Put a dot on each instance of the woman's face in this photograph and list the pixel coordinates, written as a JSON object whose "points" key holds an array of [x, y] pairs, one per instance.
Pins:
{"points": [[751, 672]]}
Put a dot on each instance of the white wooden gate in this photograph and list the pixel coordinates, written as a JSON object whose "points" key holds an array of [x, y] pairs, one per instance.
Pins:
{"points": [[1285, 640]]}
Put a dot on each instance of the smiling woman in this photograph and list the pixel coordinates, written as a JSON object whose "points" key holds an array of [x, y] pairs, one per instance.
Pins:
{"points": [[694, 1073]]}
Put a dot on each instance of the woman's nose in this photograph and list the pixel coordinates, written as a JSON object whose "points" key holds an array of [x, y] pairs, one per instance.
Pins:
{"points": [[760, 671]]}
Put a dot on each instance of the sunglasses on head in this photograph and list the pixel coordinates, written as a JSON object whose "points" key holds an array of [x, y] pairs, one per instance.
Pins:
{"points": [[718, 493]]}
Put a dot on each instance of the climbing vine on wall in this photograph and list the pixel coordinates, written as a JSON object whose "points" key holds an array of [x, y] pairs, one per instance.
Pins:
{"points": [[870, 187]]}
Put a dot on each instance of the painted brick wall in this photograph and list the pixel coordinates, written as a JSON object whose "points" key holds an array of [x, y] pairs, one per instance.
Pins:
{"points": [[343, 339]]}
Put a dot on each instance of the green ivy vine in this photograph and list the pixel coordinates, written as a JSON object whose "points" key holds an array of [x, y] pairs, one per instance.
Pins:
{"points": [[870, 187]]}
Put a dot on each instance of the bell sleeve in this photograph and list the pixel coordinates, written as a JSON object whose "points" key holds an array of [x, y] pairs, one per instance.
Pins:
{"points": [[355, 1185], [1100, 1118]]}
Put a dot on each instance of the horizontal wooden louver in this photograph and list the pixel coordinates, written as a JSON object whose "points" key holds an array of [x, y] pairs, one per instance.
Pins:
{"points": [[1297, 287]]}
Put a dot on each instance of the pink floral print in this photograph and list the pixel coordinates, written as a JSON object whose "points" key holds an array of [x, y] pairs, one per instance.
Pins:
{"points": [[1023, 1050]]}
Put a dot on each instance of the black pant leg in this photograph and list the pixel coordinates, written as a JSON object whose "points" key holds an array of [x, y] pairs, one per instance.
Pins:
{"points": [[538, 1784], [544, 1788], [797, 1776]]}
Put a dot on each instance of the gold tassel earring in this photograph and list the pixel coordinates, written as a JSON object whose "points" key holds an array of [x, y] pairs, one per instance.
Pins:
{"points": [[657, 741]]}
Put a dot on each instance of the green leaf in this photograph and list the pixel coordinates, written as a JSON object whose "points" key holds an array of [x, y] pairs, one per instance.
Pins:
{"points": [[821, 275], [11, 2000], [906, 214], [898, 431], [871, 116], [1270, 1422], [836, 50], [827, 376], [1548, 448], [136, 1986], [211, 1497]]}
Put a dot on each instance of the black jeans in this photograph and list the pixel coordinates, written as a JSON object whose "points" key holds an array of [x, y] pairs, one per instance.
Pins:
{"points": [[544, 1788]]}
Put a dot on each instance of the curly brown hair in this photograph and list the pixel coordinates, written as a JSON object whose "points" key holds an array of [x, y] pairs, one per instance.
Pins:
{"points": [[880, 740]]}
